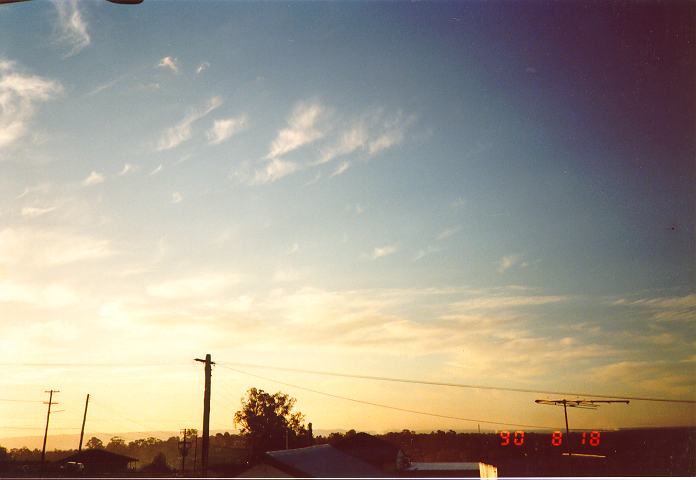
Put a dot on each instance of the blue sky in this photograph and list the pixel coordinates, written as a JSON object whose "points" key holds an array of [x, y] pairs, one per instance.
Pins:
{"points": [[483, 193]]}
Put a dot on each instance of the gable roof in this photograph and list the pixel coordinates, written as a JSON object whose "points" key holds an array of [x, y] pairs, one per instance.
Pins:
{"points": [[97, 455], [322, 461], [368, 448]]}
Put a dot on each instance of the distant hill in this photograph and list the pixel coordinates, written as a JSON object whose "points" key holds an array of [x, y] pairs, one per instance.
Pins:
{"points": [[70, 441]]}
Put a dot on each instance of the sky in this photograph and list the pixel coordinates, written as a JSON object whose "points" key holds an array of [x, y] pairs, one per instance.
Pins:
{"points": [[491, 193]]}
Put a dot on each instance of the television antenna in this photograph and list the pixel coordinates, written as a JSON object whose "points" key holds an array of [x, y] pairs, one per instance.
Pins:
{"points": [[587, 404]]}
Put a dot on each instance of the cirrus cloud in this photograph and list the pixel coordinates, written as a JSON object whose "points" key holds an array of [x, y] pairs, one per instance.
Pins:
{"points": [[169, 63], [181, 132], [223, 129], [72, 27], [301, 129], [19, 95]]}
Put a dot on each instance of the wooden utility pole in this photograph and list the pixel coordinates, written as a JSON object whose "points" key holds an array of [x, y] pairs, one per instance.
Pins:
{"points": [[184, 449], [84, 418], [48, 416], [195, 449], [206, 415]]}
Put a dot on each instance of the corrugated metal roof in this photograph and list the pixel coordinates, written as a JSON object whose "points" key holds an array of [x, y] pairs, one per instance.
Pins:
{"points": [[323, 461]]}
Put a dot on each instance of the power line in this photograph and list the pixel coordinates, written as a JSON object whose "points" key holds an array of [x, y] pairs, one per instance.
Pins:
{"points": [[92, 365], [457, 385], [20, 400], [391, 407], [10, 427]]}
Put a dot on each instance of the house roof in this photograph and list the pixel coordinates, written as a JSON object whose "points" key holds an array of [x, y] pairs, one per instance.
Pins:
{"points": [[369, 449], [443, 466], [322, 461], [97, 455]]}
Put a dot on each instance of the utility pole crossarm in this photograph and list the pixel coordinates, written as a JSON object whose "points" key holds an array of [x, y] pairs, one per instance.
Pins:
{"points": [[579, 403], [565, 403]]}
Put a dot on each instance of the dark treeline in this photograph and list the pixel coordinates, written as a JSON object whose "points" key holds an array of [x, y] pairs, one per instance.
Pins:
{"points": [[651, 452], [224, 448], [640, 452]]}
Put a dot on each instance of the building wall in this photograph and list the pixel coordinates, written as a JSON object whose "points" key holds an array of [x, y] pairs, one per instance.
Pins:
{"points": [[488, 471], [263, 470]]}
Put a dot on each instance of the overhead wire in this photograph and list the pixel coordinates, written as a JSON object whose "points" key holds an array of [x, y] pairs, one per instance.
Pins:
{"points": [[91, 365], [20, 400], [456, 385], [360, 376], [390, 407]]}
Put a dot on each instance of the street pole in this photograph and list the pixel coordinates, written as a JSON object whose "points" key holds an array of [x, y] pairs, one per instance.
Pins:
{"points": [[48, 416], [184, 448], [565, 412], [206, 415], [195, 451], [84, 418]]}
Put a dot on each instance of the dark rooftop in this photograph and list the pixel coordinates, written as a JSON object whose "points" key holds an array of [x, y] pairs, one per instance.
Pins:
{"points": [[322, 461], [97, 455], [370, 449]]}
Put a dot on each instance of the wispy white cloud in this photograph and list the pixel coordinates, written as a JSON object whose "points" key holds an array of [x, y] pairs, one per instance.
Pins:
{"points": [[169, 63], [72, 27], [274, 170], [675, 308], [368, 135], [506, 301], [356, 209], [156, 170], [43, 187], [202, 67], [177, 197], [379, 252], [649, 375], [52, 295], [392, 134], [442, 236], [353, 139], [105, 86], [225, 128], [127, 168], [294, 248], [342, 168], [203, 285], [301, 129], [19, 95], [448, 232], [313, 180], [181, 132], [511, 261], [94, 178], [372, 133], [37, 247], [424, 252], [33, 212]]}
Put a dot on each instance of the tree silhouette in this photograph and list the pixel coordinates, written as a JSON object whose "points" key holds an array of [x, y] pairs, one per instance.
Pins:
{"points": [[117, 445], [268, 423], [94, 442], [159, 465]]}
